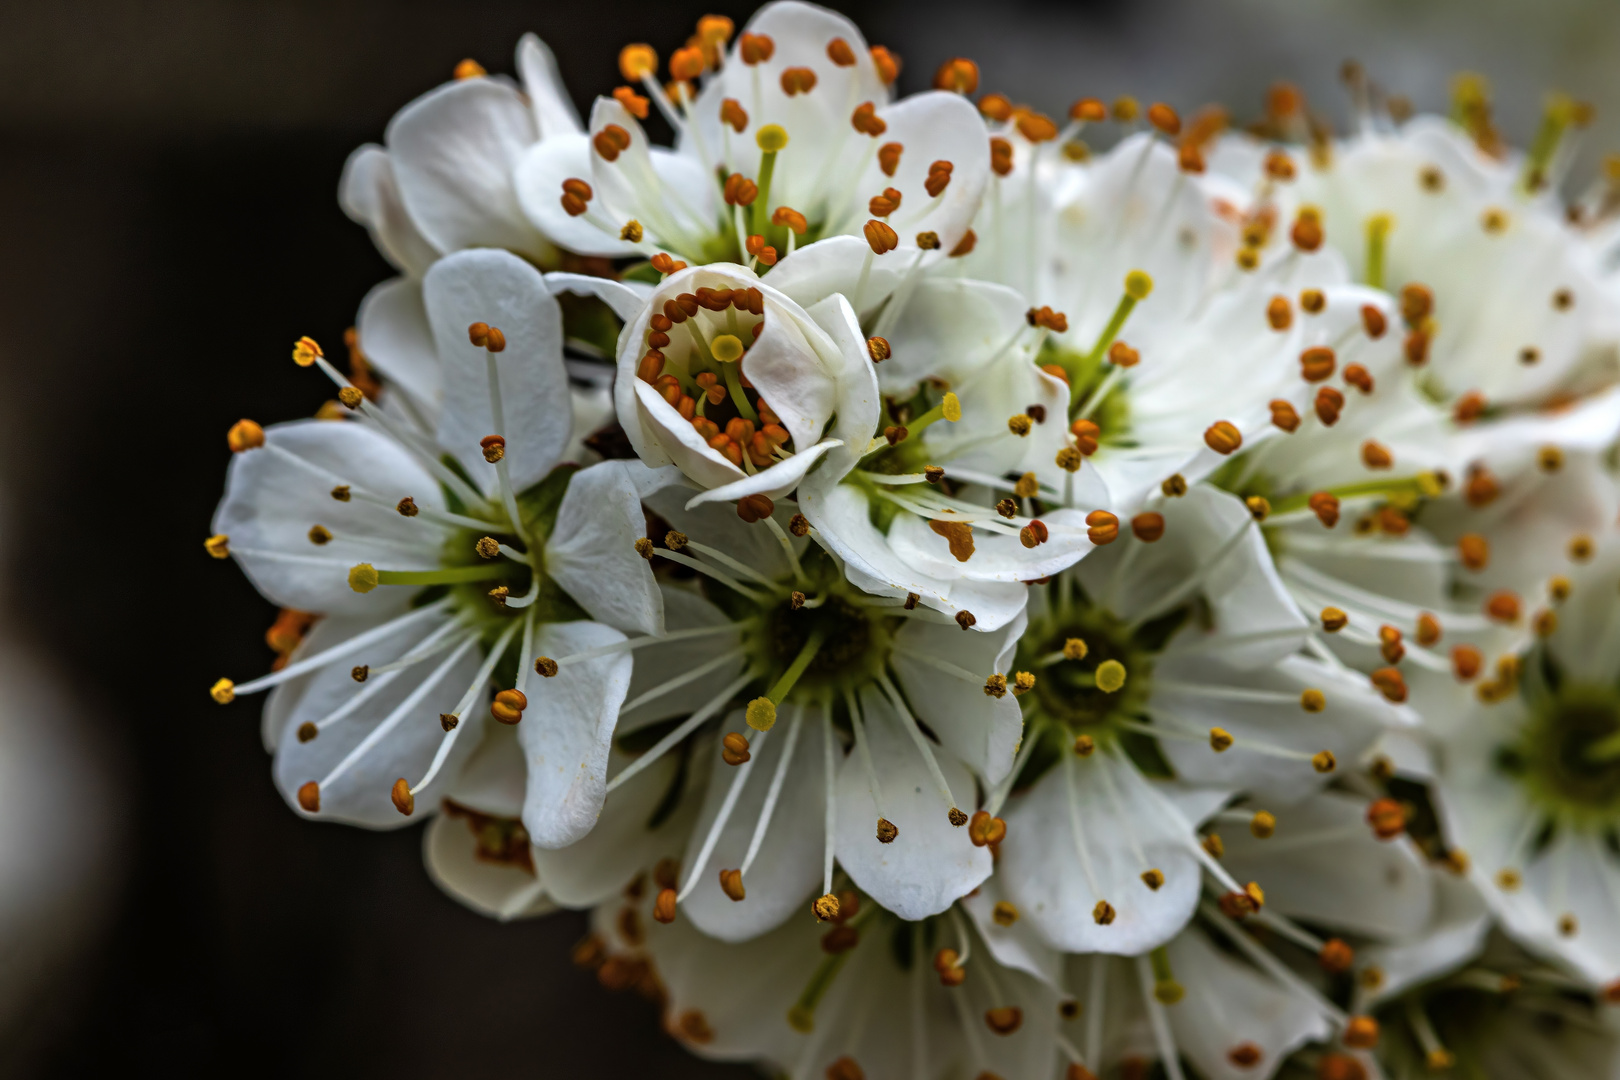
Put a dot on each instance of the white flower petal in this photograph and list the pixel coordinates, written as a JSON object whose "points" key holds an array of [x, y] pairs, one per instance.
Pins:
{"points": [[931, 863], [592, 551], [271, 503], [554, 112], [499, 891], [361, 794], [453, 151], [1044, 872], [787, 870], [370, 195], [537, 180], [982, 731], [398, 342], [500, 289], [568, 731]]}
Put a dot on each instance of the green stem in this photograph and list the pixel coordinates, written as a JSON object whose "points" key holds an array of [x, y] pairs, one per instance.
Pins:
{"points": [[449, 576], [784, 685], [761, 207]]}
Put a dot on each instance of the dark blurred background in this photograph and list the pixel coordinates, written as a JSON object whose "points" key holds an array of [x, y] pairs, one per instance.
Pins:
{"points": [[169, 225]]}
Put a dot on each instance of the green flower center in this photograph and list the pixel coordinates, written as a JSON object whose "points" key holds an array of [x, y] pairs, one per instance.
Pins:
{"points": [[1567, 754]]}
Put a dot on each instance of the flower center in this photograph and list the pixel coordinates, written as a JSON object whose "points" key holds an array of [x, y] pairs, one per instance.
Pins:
{"points": [[853, 643], [1568, 753], [1079, 685]]}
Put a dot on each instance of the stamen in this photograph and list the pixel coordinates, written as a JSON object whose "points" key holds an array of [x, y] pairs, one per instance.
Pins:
{"points": [[733, 793], [772, 795], [957, 817], [691, 724], [1378, 226]]}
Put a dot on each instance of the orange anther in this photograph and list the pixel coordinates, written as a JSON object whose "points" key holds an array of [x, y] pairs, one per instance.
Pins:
{"points": [[1283, 415], [791, 218], [867, 122], [887, 64], [1036, 127], [1088, 110], [1503, 606], [959, 75], [1148, 526], [1417, 303], [1102, 527], [508, 706], [732, 112], [1278, 313], [1329, 403], [885, 204], [882, 238], [244, 435], [798, 80], [1375, 455], [1223, 437], [1482, 488], [1317, 363], [755, 48], [939, 177], [996, 107], [1325, 506], [1001, 156], [1466, 660], [840, 52], [1086, 433], [889, 157], [1390, 683], [636, 61], [1474, 551], [1164, 118], [1358, 377]]}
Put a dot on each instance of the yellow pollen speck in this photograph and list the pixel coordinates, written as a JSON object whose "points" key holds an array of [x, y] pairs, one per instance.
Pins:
{"points": [[1312, 700], [1138, 285], [351, 397], [363, 578], [1110, 676], [771, 138], [1075, 649], [1219, 739], [1153, 879], [1324, 762], [951, 408], [218, 545], [223, 691], [632, 232], [727, 348], [1023, 683], [1019, 425], [761, 714], [306, 351], [1263, 824], [320, 534]]}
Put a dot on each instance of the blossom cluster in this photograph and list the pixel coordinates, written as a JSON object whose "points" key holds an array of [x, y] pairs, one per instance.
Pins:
{"points": [[956, 602]]}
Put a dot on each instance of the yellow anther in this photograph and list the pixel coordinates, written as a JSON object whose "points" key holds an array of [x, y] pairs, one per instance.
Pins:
{"points": [[951, 408], [1324, 762], [1084, 745], [727, 348], [1075, 649], [1023, 683], [771, 138], [223, 691], [306, 351], [1110, 676], [1138, 284], [1153, 879], [469, 69], [1005, 913], [1312, 700], [1263, 824], [996, 686], [218, 545], [761, 714], [1219, 739], [632, 232], [1027, 486], [1019, 425], [363, 578]]}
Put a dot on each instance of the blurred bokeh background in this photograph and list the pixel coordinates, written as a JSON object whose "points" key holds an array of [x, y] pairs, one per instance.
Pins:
{"points": [[168, 225]]}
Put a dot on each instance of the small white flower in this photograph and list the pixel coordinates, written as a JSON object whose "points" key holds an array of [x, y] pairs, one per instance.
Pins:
{"points": [[1524, 772], [351, 520], [796, 120], [1173, 653]]}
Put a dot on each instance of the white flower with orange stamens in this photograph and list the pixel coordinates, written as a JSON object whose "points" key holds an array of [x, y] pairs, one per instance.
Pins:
{"points": [[437, 556], [1506, 307], [1173, 653], [791, 139], [442, 183], [1182, 368], [1525, 770], [828, 725], [863, 994]]}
